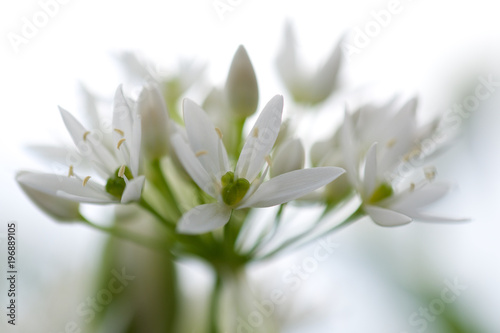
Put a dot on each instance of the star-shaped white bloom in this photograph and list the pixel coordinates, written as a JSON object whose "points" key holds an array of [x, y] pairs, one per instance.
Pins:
{"points": [[367, 169], [305, 86], [120, 167], [204, 157]]}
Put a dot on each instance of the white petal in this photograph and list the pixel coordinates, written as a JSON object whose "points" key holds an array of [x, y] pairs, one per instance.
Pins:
{"points": [[421, 197], [57, 185], [193, 165], [291, 185], [89, 108], [204, 218], [154, 122], [122, 115], [323, 81], [133, 190], [386, 217], [370, 178], [135, 146], [204, 138], [289, 156], [59, 208], [260, 140], [93, 147], [349, 149]]}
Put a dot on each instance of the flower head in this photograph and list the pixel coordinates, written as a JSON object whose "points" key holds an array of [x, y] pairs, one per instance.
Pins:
{"points": [[204, 157], [119, 167]]}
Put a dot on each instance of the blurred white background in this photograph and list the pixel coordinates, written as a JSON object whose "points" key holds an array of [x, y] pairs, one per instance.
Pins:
{"points": [[434, 49]]}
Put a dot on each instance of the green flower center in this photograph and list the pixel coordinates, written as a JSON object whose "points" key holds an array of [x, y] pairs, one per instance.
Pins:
{"points": [[116, 185], [381, 192], [233, 190]]}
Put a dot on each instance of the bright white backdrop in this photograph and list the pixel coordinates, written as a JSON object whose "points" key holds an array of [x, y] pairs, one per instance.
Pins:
{"points": [[435, 49]]}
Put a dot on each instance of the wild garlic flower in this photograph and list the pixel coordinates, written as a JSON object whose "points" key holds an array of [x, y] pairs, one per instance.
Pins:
{"points": [[391, 137], [119, 168], [307, 87], [204, 157]]}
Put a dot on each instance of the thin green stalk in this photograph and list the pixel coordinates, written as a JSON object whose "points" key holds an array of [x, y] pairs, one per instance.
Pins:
{"points": [[270, 235], [215, 304], [292, 241], [160, 182], [124, 234]]}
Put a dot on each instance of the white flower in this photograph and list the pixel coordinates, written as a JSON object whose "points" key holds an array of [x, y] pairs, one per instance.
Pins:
{"points": [[369, 169], [204, 157], [306, 87], [241, 88], [155, 122], [119, 167]]}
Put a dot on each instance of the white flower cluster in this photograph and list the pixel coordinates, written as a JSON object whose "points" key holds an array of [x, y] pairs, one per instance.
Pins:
{"points": [[196, 160]]}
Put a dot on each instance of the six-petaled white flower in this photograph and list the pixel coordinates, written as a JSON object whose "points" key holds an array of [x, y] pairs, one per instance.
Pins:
{"points": [[204, 157], [120, 167], [390, 139]]}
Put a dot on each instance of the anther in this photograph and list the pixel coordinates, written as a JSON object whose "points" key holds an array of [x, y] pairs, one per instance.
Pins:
{"points": [[85, 135], [121, 172], [70, 171], [85, 181], [119, 131], [120, 143], [412, 187], [219, 132], [391, 143], [268, 160], [201, 152], [255, 132], [430, 173]]}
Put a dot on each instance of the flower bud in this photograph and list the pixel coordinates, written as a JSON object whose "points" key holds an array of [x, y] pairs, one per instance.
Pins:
{"points": [[289, 157], [155, 122], [59, 208], [241, 88]]}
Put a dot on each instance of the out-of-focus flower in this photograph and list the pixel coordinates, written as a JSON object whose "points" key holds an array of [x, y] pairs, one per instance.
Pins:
{"points": [[288, 157], [305, 87], [391, 137], [241, 88], [155, 122], [204, 157], [119, 167]]}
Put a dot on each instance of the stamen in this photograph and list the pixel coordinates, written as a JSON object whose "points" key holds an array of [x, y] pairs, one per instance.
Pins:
{"points": [[70, 171], [201, 152], [412, 187], [120, 143], [391, 143], [255, 132], [121, 172], [268, 160], [85, 135], [219, 132], [85, 181], [119, 131], [430, 173]]}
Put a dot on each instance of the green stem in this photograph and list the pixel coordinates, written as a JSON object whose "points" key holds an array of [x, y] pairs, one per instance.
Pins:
{"points": [[292, 241], [124, 234], [159, 181], [269, 235], [214, 304]]}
